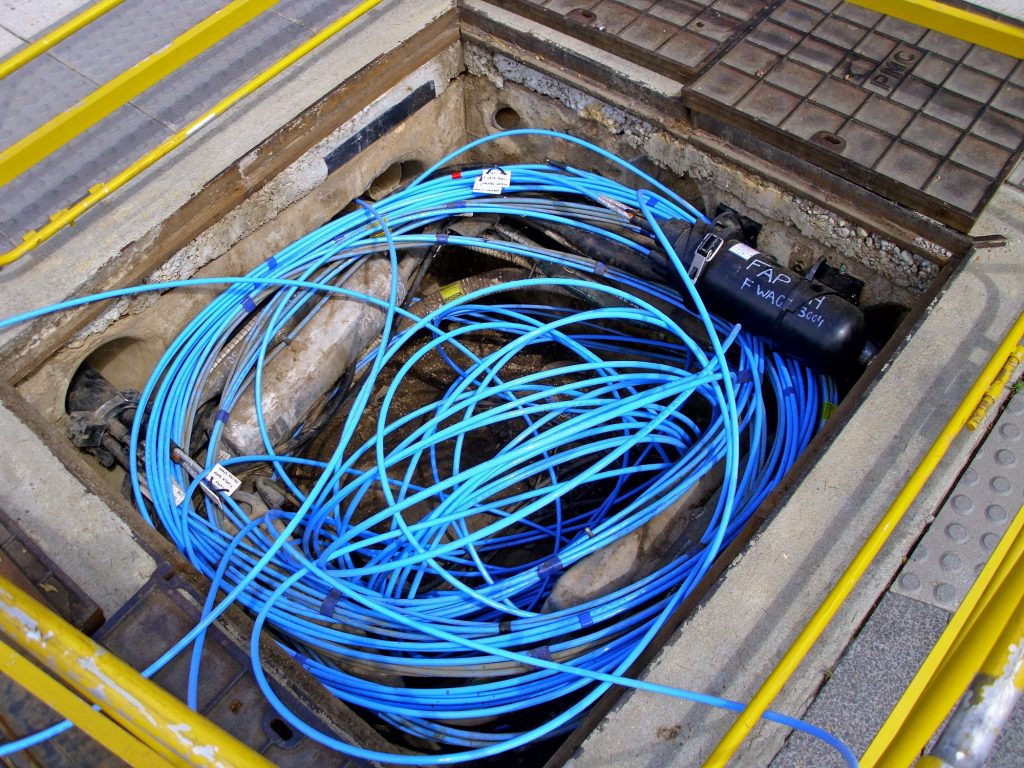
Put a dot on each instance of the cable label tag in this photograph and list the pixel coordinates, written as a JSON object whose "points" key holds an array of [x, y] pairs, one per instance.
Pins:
{"points": [[450, 292], [179, 495], [493, 181], [744, 251], [223, 480]]}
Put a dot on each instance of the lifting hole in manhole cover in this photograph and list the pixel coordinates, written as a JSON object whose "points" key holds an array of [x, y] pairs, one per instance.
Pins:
{"points": [[829, 140], [581, 16]]}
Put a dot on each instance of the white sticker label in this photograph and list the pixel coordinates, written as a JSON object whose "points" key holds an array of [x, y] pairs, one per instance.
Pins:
{"points": [[744, 251], [179, 495], [493, 181], [223, 480]]}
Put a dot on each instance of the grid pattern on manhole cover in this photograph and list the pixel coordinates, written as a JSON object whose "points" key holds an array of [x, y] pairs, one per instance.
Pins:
{"points": [[928, 120], [676, 37]]}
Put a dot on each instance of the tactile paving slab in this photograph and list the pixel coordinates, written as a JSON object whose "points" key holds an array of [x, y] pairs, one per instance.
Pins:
{"points": [[113, 43], [217, 72], [128, 34], [63, 177], [35, 93], [970, 524]]}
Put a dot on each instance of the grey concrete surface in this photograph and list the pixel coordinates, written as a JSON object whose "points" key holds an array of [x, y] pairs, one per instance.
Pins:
{"points": [[9, 42], [129, 33], [889, 648], [728, 646], [77, 66], [73, 526], [63, 177], [1011, 8]]}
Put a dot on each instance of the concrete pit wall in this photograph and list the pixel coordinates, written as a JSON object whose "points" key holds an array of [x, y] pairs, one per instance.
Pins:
{"points": [[470, 92]]}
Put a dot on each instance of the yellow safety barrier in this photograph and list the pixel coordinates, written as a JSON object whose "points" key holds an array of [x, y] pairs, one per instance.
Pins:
{"points": [[68, 705], [63, 218], [955, 21], [973, 728], [50, 39], [993, 392], [869, 550], [43, 141], [924, 704], [156, 718]]}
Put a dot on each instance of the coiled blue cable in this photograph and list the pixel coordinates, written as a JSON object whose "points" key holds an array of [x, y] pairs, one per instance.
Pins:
{"points": [[383, 600]]}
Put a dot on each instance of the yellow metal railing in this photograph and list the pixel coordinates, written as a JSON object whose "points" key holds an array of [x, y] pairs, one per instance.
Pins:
{"points": [[46, 139], [955, 21], [50, 39], [972, 633], [855, 570], [92, 722], [976, 723], [992, 393], [98, 192], [141, 715]]}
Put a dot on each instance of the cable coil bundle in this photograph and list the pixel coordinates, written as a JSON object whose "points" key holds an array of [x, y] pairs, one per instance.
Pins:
{"points": [[411, 576]]}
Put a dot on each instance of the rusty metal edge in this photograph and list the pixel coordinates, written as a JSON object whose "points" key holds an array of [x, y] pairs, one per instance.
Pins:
{"points": [[623, 48]]}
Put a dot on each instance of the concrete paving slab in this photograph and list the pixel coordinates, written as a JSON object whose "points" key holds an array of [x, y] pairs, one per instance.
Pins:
{"points": [[36, 93], [67, 174], [868, 681], [9, 41], [129, 33], [210, 77], [27, 18]]}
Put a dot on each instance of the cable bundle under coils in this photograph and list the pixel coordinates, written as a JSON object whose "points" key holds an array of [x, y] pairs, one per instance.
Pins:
{"points": [[411, 576]]}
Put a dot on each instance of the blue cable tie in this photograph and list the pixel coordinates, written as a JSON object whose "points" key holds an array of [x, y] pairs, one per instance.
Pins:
{"points": [[442, 239], [600, 268], [249, 305], [586, 620], [543, 653], [742, 377], [789, 390], [549, 567], [330, 603], [222, 416], [271, 264]]}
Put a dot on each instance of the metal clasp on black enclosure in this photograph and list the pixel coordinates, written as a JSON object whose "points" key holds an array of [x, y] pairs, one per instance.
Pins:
{"points": [[704, 253]]}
